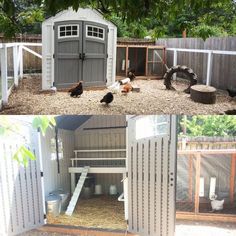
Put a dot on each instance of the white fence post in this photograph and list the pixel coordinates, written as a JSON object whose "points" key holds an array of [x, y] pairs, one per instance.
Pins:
{"points": [[209, 68], [15, 57], [4, 75], [175, 62], [21, 62]]}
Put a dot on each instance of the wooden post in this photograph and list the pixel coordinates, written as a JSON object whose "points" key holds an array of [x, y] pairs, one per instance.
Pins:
{"points": [[190, 173], [15, 57], [4, 75], [232, 178], [126, 61], [209, 69], [146, 68], [175, 62], [184, 33], [197, 182]]}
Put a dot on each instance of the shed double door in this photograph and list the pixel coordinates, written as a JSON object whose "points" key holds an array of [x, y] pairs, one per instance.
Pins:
{"points": [[80, 54], [152, 175]]}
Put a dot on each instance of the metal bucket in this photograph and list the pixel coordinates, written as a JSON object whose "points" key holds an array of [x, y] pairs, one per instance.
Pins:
{"points": [[53, 205], [64, 198], [86, 192], [98, 189]]}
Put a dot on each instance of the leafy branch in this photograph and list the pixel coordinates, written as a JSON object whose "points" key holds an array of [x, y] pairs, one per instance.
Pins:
{"points": [[23, 154]]}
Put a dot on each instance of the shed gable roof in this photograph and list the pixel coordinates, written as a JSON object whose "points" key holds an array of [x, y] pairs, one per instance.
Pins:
{"points": [[81, 14]]}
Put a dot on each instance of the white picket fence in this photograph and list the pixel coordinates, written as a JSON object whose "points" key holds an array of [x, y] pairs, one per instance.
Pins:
{"points": [[21, 196], [18, 65]]}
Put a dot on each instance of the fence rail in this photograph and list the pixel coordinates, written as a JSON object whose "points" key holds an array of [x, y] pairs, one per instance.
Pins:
{"points": [[18, 66]]}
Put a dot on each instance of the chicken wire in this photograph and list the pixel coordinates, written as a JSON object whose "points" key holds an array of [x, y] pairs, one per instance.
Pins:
{"points": [[185, 190], [218, 167]]}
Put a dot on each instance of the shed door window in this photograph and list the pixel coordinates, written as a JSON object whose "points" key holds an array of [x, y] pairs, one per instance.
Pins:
{"points": [[151, 126], [95, 32], [68, 31], [54, 150]]}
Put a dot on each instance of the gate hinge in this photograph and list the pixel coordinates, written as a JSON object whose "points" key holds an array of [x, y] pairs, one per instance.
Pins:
{"points": [[108, 30], [45, 216], [53, 56], [41, 173], [107, 55], [54, 27]]}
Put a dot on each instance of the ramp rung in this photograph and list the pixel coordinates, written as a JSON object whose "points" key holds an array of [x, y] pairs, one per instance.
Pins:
{"points": [[76, 194]]}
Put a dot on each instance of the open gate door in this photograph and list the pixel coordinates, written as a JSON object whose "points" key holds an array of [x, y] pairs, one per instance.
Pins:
{"points": [[21, 192], [151, 175]]}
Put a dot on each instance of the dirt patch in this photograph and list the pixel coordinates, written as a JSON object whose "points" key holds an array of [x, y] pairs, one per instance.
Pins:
{"points": [[103, 212], [153, 99]]}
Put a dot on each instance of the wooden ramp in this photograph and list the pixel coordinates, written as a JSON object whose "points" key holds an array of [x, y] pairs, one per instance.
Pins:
{"points": [[77, 191]]}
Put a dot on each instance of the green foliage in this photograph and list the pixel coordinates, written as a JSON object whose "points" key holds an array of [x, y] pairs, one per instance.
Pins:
{"points": [[205, 31], [43, 123], [209, 125], [134, 18], [19, 16], [23, 155]]}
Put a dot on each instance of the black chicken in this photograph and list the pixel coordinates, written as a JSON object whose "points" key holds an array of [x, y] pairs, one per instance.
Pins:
{"points": [[232, 93], [108, 98], [230, 112], [77, 90], [131, 74]]}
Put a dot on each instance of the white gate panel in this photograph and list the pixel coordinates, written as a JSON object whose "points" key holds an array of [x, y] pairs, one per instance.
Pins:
{"points": [[151, 178], [20, 193]]}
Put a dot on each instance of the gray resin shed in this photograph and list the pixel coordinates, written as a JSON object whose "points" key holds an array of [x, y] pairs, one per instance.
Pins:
{"points": [[78, 46]]}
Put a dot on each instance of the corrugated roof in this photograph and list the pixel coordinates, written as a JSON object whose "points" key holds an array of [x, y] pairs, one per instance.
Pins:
{"points": [[71, 122]]}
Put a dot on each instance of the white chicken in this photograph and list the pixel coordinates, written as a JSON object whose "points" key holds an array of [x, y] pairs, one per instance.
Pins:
{"points": [[216, 205], [53, 89], [115, 88]]}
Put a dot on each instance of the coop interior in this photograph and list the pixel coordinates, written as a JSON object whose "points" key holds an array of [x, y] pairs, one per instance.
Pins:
{"points": [[85, 167], [206, 183], [146, 61]]}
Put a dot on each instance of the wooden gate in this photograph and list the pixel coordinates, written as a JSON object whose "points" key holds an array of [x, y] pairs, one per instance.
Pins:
{"points": [[20, 192], [152, 175]]}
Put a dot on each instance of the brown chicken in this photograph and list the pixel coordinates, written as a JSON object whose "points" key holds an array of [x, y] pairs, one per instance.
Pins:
{"points": [[127, 88]]}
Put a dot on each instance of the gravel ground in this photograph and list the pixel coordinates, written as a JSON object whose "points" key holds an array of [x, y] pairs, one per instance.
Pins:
{"points": [[153, 99]]}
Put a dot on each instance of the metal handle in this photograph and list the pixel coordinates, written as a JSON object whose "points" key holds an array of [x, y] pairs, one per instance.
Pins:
{"points": [[83, 56]]}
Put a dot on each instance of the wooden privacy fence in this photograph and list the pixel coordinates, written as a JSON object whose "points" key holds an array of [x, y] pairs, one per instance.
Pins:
{"points": [[206, 168], [213, 60], [16, 57]]}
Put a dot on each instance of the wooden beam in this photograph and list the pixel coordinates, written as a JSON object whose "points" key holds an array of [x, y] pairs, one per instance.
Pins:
{"points": [[197, 182], [232, 178], [202, 151], [190, 174], [99, 170], [205, 217]]}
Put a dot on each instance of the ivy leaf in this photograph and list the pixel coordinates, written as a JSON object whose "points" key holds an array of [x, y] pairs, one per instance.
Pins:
{"points": [[2, 130], [23, 155], [43, 122]]}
